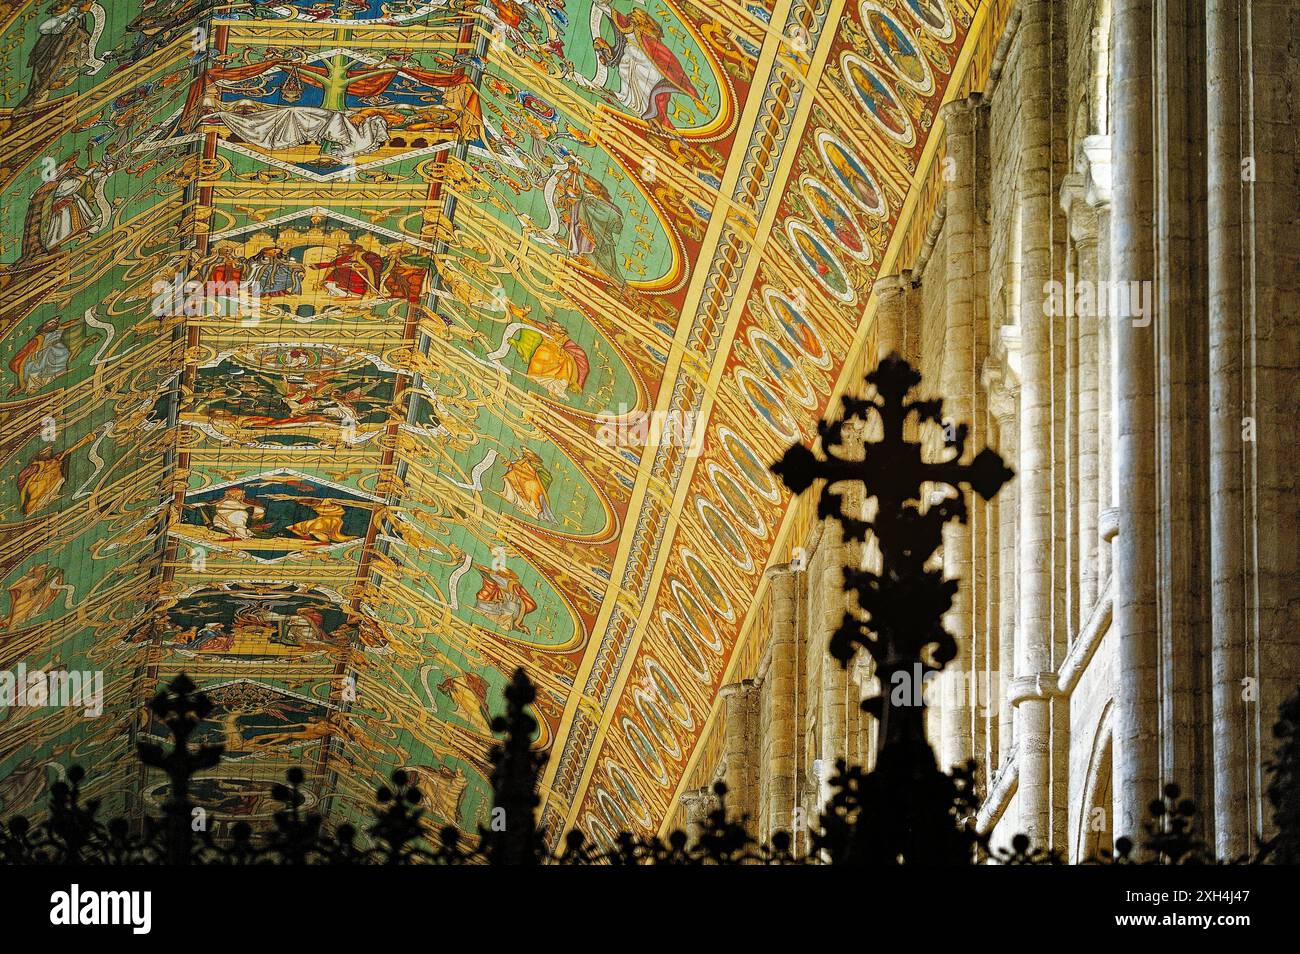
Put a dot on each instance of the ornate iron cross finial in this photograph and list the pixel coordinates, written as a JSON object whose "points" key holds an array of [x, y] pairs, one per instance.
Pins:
{"points": [[904, 603], [513, 837], [181, 707]]}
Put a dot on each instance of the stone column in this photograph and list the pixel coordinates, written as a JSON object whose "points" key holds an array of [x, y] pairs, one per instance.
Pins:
{"points": [[839, 553], [960, 121], [738, 749], [1097, 194], [1064, 563], [862, 685], [892, 293], [1083, 232], [1254, 295], [1065, 481], [782, 673], [1137, 717], [1004, 400], [698, 802], [1034, 476], [1228, 306], [1096, 150], [834, 677], [1105, 400], [1274, 339], [896, 321]]}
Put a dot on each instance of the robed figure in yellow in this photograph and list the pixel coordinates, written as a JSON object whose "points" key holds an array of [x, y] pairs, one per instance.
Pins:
{"points": [[555, 361], [526, 484], [32, 594], [326, 526], [41, 480]]}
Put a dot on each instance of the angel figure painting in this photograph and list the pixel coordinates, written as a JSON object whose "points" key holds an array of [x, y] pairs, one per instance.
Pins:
{"points": [[65, 207], [47, 353], [41, 480], [553, 360], [650, 74], [503, 599], [32, 594], [526, 485], [63, 50]]}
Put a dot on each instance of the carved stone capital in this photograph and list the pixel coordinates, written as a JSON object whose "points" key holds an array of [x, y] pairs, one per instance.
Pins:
{"points": [[1083, 224], [1108, 524], [957, 109], [734, 689], [890, 287], [1002, 388], [1096, 155], [1007, 347], [1039, 685], [698, 802], [695, 795], [1081, 216], [1073, 186]]}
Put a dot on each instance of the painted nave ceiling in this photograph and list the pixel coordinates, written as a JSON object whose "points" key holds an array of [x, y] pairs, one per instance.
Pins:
{"points": [[357, 352]]}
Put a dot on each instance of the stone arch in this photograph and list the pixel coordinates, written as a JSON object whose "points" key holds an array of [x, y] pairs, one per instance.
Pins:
{"points": [[1098, 793]]}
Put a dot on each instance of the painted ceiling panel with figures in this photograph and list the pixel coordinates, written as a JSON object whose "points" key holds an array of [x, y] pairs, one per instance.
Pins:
{"points": [[359, 352]]}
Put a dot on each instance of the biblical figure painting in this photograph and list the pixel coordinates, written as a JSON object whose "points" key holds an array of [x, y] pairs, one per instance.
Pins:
{"points": [[312, 264], [26, 786], [46, 355], [585, 217], [503, 599], [933, 16], [834, 219], [157, 24], [820, 261], [42, 478], [32, 593], [228, 800], [328, 113], [797, 329], [631, 45], [332, 11], [292, 395], [851, 174], [68, 205], [252, 622], [256, 721], [64, 49], [880, 100], [275, 515], [782, 368], [899, 48], [551, 359]]}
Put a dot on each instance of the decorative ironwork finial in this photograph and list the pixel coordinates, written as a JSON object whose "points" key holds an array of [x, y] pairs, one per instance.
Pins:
{"points": [[902, 605], [181, 707], [512, 837]]}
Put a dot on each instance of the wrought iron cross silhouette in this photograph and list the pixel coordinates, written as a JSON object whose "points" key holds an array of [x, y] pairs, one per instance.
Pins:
{"points": [[181, 707], [903, 604]]}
